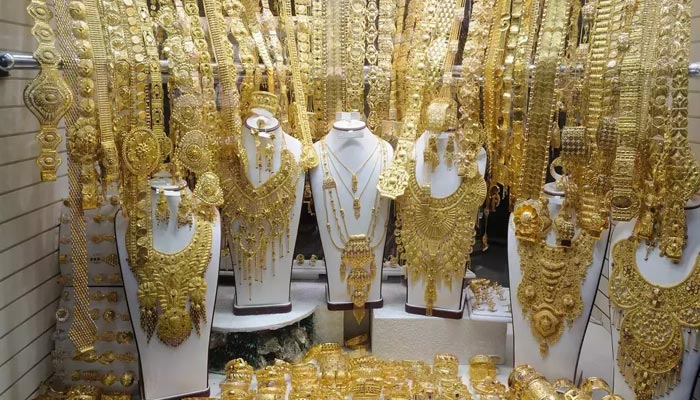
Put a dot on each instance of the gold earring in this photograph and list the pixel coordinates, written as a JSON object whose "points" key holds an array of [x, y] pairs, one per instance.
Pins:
{"points": [[184, 210], [450, 152], [430, 154], [162, 209]]}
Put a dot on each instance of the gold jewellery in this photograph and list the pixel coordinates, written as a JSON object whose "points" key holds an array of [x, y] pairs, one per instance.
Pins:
{"points": [[435, 235], [357, 261], [550, 289], [47, 96], [260, 215], [652, 321]]}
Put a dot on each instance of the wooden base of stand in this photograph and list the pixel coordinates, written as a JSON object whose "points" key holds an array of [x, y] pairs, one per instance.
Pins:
{"points": [[349, 306], [259, 310], [436, 312]]}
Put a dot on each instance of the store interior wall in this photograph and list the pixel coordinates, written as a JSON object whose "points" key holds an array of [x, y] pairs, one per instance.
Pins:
{"points": [[29, 216]]}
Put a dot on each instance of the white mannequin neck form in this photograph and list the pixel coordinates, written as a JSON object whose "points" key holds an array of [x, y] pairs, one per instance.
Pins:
{"points": [[562, 358], [170, 372]]}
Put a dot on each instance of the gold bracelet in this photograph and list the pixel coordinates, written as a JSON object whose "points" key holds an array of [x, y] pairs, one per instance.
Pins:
{"points": [[47, 96], [106, 358]]}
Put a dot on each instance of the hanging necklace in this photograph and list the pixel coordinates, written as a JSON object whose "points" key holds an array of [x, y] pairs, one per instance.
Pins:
{"points": [[652, 320], [357, 251], [550, 289], [261, 213], [356, 202], [435, 235]]}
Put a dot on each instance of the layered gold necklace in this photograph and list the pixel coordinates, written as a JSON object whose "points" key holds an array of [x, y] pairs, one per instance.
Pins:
{"points": [[357, 265], [652, 321], [261, 213], [550, 289], [435, 235]]}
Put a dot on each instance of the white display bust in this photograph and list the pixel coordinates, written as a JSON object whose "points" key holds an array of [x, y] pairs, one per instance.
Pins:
{"points": [[352, 143], [271, 293], [170, 372], [444, 180], [663, 272], [563, 356]]}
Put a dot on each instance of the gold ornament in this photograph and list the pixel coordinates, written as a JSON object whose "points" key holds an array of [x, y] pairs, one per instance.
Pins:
{"points": [[162, 208], [652, 321], [550, 289], [435, 235], [261, 213]]}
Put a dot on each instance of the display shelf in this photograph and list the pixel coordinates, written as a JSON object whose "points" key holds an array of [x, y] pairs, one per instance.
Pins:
{"points": [[397, 334], [502, 313], [307, 297]]}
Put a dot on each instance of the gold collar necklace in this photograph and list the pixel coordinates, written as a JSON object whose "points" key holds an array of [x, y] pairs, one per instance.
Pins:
{"points": [[167, 280], [435, 235], [652, 320]]}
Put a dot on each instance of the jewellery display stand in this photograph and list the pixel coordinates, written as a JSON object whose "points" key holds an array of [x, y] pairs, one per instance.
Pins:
{"points": [[271, 293], [563, 356], [352, 142], [661, 271], [171, 372], [444, 180]]}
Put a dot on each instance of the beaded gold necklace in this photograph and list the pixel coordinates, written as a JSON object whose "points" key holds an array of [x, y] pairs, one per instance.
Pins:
{"points": [[357, 251], [435, 235], [652, 320]]}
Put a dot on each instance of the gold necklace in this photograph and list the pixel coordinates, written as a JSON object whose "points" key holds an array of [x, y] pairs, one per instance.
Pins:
{"points": [[357, 251], [356, 204], [262, 214], [435, 235], [167, 280], [651, 320], [550, 290]]}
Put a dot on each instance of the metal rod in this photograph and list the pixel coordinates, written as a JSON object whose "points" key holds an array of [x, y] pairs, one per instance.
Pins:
{"points": [[10, 61]]}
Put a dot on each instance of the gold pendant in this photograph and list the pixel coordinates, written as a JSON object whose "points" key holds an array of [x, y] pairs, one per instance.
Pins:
{"points": [[358, 255], [354, 183], [357, 207]]}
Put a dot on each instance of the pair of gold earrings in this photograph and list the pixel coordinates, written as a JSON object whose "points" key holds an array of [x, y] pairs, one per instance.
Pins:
{"points": [[431, 157], [184, 209]]}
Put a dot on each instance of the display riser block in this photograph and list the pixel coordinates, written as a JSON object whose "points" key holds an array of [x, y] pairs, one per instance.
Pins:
{"points": [[398, 335]]}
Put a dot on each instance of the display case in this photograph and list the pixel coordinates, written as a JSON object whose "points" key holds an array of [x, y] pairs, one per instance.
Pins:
{"points": [[328, 199]]}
